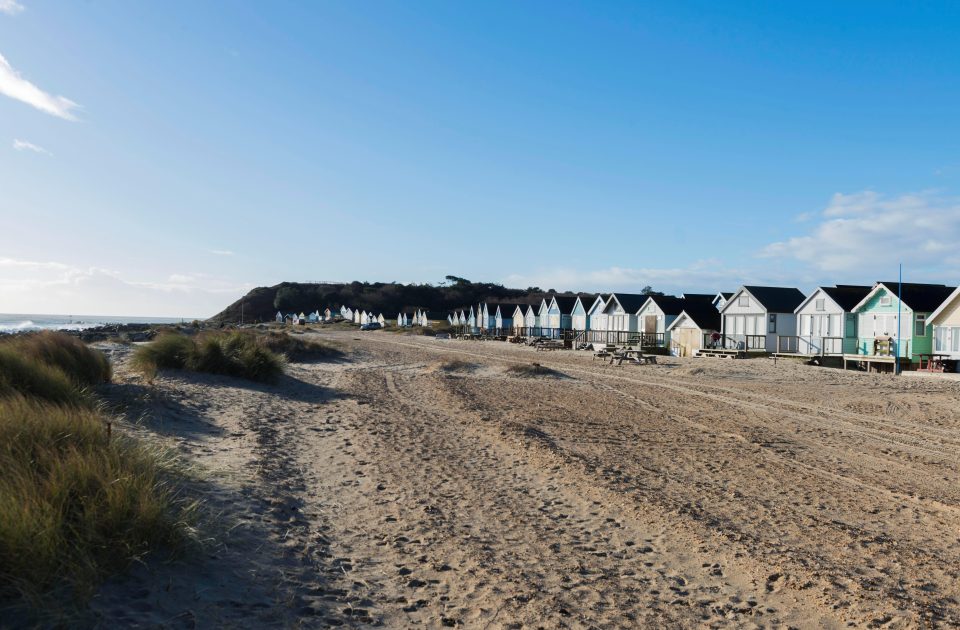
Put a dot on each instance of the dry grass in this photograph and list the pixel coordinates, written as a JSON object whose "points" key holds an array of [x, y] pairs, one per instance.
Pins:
{"points": [[82, 365], [239, 354], [457, 365], [51, 366], [297, 348], [534, 370], [74, 503]]}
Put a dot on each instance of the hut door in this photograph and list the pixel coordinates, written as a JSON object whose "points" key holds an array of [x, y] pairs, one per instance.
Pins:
{"points": [[689, 340], [649, 323]]}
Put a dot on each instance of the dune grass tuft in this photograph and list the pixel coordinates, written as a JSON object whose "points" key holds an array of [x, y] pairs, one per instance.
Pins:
{"points": [[297, 348], [238, 354], [51, 366], [169, 351], [76, 504], [457, 365], [534, 370], [83, 365]]}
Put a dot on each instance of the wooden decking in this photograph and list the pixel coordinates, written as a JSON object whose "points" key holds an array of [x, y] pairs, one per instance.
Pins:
{"points": [[876, 362], [721, 353]]}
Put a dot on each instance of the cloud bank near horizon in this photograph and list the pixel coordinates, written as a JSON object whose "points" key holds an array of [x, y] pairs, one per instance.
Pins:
{"points": [[28, 286]]}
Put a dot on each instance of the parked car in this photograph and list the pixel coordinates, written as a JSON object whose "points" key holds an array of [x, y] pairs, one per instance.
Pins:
{"points": [[371, 326]]}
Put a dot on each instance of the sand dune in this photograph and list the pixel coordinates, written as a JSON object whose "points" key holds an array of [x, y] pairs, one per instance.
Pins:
{"points": [[421, 482]]}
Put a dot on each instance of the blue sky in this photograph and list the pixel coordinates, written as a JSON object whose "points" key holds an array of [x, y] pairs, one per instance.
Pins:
{"points": [[161, 158]]}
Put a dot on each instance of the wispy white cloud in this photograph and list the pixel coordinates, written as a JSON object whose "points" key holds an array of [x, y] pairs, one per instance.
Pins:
{"points": [[23, 145], [11, 7], [221, 252], [30, 286], [18, 88], [868, 233]]}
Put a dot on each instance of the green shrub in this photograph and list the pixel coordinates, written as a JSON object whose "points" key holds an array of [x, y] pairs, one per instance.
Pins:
{"points": [[75, 504]]}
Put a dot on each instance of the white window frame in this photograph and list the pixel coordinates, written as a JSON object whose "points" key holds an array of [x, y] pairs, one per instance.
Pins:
{"points": [[772, 323], [886, 300], [743, 300], [820, 305], [918, 319]]}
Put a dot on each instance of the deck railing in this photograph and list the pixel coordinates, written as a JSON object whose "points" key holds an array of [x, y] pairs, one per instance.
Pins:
{"points": [[809, 345], [626, 338], [743, 343]]}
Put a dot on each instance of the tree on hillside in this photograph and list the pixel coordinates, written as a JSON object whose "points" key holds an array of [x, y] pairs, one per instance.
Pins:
{"points": [[288, 298], [458, 281]]}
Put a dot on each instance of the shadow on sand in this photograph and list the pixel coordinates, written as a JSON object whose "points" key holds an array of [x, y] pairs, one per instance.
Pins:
{"points": [[263, 559]]}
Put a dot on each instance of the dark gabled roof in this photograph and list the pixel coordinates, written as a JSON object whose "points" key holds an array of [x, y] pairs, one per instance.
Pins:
{"points": [[921, 297], [703, 313], [506, 308], [777, 299], [726, 295], [846, 295], [631, 302], [565, 303], [669, 304], [603, 297], [699, 296]]}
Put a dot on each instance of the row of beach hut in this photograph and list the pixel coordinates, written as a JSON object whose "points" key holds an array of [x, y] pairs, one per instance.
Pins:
{"points": [[916, 322], [358, 316]]}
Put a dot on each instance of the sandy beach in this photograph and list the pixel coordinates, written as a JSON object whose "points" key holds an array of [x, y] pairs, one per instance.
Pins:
{"points": [[420, 482]]}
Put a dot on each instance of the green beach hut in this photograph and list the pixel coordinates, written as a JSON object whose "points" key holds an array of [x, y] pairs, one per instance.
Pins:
{"points": [[877, 330]]}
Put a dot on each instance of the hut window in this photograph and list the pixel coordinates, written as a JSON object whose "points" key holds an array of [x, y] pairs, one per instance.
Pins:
{"points": [[773, 323], [743, 300], [821, 305], [886, 300], [920, 328]]}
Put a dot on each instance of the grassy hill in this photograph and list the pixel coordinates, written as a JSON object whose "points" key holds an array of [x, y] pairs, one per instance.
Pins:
{"points": [[262, 303]]}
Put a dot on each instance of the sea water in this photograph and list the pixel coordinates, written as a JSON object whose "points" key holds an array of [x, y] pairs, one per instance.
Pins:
{"points": [[10, 323]]}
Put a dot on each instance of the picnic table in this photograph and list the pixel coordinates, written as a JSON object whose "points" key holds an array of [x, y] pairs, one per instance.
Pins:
{"points": [[633, 356], [605, 351]]}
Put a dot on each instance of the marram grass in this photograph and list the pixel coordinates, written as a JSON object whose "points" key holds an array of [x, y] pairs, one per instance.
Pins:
{"points": [[244, 354], [76, 503]]}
